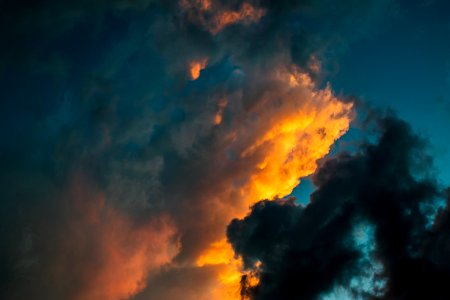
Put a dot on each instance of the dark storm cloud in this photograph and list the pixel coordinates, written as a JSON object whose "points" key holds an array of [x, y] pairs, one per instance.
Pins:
{"points": [[97, 97], [306, 251], [303, 251]]}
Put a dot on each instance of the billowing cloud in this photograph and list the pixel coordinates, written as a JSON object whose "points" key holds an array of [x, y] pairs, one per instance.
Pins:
{"points": [[89, 250], [374, 228], [277, 141], [132, 133]]}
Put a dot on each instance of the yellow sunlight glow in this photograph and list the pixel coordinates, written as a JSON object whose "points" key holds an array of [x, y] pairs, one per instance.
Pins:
{"points": [[297, 134]]}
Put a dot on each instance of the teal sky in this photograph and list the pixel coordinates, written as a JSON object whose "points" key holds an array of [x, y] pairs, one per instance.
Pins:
{"points": [[406, 66], [403, 65]]}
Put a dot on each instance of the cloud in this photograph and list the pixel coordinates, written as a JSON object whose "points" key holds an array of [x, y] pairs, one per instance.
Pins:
{"points": [[386, 190], [87, 250], [167, 157]]}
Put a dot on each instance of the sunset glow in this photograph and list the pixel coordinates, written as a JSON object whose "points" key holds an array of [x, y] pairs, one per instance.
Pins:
{"points": [[225, 150], [298, 133]]}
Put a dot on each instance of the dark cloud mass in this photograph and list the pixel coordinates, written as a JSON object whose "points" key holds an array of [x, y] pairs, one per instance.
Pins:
{"points": [[306, 252], [133, 132]]}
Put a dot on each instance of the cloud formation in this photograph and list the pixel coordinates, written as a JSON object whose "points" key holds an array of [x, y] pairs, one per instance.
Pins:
{"points": [[377, 213], [133, 132], [78, 247]]}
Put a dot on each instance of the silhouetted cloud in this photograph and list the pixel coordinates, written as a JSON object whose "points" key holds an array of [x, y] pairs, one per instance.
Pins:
{"points": [[306, 252]]}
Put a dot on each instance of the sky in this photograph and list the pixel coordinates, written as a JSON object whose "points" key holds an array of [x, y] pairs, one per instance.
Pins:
{"points": [[403, 65], [229, 150]]}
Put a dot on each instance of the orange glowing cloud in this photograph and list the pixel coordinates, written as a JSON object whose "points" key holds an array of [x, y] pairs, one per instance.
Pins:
{"points": [[296, 125], [196, 66], [273, 142], [104, 252], [215, 18], [292, 134], [228, 281], [246, 14], [221, 254], [222, 104]]}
